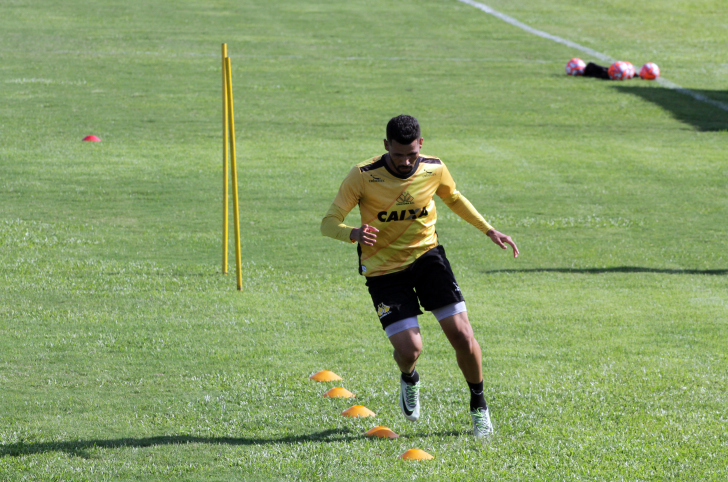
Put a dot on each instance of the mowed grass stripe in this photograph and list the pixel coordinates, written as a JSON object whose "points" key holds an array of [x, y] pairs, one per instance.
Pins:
{"points": [[124, 353]]}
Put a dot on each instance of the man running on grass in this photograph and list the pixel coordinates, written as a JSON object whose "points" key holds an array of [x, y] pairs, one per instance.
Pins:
{"points": [[402, 260]]}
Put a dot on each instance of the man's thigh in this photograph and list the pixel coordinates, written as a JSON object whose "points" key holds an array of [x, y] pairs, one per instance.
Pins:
{"points": [[394, 297], [435, 282]]}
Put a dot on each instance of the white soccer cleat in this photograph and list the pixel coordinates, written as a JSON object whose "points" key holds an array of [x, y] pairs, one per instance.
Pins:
{"points": [[409, 400], [481, 423]]}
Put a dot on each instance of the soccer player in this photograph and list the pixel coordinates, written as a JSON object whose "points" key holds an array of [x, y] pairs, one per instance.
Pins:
{"points": [[402, 260]]}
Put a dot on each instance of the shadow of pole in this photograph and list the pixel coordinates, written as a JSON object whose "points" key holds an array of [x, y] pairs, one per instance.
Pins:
{"points": [[617, 269]]}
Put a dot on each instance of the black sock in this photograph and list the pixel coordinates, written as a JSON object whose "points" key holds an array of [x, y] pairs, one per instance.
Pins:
{"points": [[412, 378], [477, 399]]}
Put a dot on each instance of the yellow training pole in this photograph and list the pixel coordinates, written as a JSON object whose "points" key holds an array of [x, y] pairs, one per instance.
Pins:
{"points": [[225, 201], [234, 169]]}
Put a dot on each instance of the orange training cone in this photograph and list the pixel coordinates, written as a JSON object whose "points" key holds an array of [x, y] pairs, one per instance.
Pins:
{"points": [[416, 454], [358, 411], [381, 432], [325, 376], [92, 139], [339, 392]]}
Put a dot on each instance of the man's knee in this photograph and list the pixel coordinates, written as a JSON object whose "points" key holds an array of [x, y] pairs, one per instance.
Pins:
{"points": [[459, 332], [409, 354], [462, 340], [407, 345]]}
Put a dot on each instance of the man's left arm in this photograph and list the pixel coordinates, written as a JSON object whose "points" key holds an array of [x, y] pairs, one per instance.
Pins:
{"points": [[464, 208]]}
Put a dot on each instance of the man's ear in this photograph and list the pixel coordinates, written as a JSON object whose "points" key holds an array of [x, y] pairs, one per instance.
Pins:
{"points": [[386, 145]]}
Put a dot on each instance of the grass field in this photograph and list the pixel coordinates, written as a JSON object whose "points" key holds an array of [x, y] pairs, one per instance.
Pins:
{"points": [[125, 354]]}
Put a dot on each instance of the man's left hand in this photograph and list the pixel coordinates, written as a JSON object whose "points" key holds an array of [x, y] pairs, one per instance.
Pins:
{"points": [[501, 240]]}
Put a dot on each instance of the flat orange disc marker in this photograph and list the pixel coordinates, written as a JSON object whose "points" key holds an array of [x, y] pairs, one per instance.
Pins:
{"points": [[339, 392], [416, 454], [381, 432], [358, 411], [325, 376]]}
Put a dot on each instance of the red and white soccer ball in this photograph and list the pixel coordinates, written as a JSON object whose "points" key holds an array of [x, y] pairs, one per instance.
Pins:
{"points": [[649, 71], [621, 70], [575, 66]]}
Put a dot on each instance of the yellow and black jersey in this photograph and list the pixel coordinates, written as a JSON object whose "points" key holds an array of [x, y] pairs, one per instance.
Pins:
{"points": [[401, 207]]}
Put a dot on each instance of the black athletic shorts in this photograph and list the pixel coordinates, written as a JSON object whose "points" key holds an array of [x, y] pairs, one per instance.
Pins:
{"points": [[429, 279]]}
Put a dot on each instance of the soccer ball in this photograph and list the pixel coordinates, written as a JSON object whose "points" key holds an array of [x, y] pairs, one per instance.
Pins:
{"points": [[621, 70], [650, 71], [575, 66]]}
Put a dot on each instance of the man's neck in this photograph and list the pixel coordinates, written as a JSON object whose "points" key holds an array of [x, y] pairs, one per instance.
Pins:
{"points": [[390, 167]]}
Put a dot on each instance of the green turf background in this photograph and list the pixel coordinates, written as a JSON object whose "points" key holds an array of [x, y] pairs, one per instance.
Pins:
{"points": [[124, 354]]}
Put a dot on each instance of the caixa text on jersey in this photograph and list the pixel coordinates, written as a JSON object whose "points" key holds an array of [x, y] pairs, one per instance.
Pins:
{"points": [[403, 215]]}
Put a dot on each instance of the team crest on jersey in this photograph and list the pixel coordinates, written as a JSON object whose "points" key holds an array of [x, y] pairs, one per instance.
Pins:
{"points": [[405, 198], [374, 178], [426, 173], [383, 310]]}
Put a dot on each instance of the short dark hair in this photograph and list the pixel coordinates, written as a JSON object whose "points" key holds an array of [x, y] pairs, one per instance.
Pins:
{"points": [[404, 129]]}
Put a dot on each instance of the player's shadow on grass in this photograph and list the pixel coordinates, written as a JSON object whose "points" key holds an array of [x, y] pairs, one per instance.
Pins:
{"points": [[79, 448], [448, 433], [702, 115], [617, 269]]}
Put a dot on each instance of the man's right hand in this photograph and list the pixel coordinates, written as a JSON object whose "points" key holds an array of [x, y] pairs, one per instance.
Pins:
{"points": [[364, 235]]}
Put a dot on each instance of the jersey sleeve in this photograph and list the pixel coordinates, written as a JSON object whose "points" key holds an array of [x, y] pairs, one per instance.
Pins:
{"points": [[458, 203], [332, 224], [447, 184]]}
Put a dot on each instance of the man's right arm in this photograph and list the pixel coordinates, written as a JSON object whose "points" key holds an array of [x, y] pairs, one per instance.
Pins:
{"points": [[332, 224]]}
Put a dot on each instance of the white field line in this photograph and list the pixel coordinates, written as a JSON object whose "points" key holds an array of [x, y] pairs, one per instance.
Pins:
{"points": [[661, 80]]}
